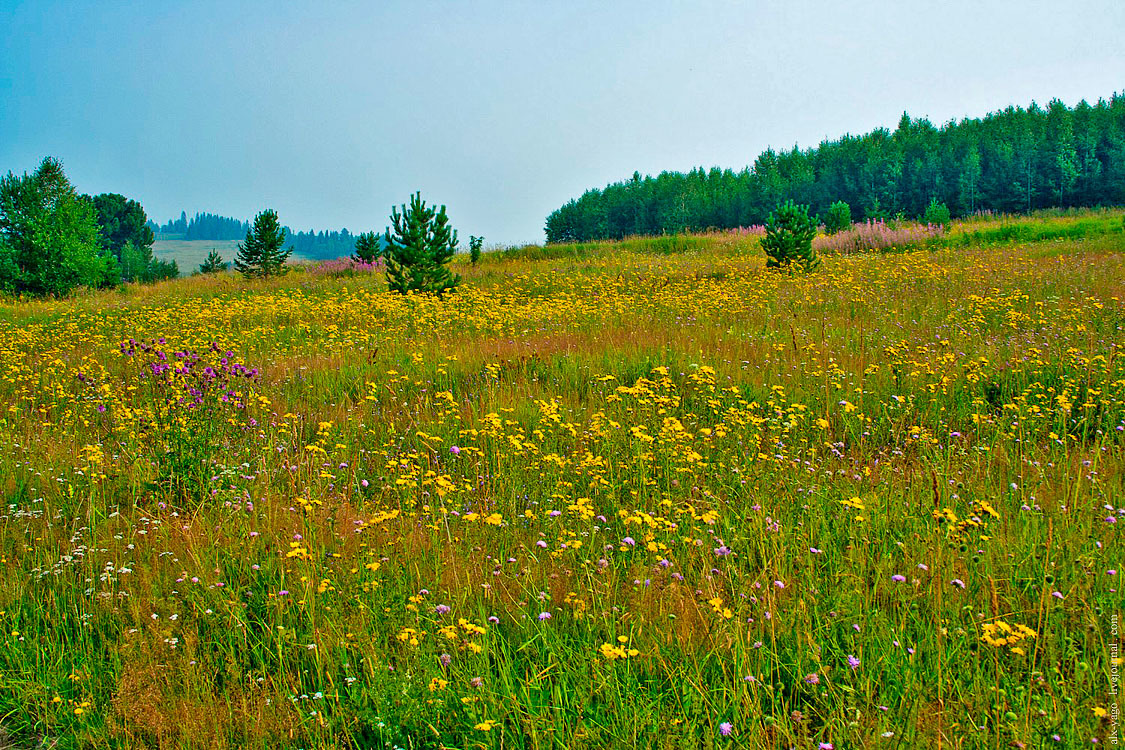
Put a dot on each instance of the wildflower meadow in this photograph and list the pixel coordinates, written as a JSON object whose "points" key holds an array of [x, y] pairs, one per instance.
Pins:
{"points": [[639, 494]]}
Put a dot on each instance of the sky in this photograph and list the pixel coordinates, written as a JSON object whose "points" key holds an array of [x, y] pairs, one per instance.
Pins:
{"points": [[333, 112]]}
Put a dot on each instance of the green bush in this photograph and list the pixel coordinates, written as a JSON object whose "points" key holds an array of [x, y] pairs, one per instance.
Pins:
{"points": [[937, 214], [213, 263], [789, 235], [367, 249], [838, 218]]}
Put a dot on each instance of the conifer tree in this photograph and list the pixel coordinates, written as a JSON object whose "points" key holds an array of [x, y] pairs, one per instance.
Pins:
{"points": [[475, 246], [213, 263], [418, 249], [261, 253], [937, 213], [838, 218], [367, 248], [789, 235]]}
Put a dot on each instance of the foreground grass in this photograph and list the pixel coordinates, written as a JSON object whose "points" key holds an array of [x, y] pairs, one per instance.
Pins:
{"points": [[654, 498]]}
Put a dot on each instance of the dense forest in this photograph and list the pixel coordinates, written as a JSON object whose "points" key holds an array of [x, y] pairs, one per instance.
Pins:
{"points": [[322, 245], [1013, 160]]}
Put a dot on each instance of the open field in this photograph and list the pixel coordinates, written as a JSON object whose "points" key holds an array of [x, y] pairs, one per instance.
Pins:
{"points": [[651, 497], [188, 254]]}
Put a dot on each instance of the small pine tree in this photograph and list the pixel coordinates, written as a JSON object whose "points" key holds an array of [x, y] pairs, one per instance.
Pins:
{"points": [[367, 249], [475, 245], [213, 263], [937, 214], [419, 248], [838, 218], [789, 235], [261, 253]]}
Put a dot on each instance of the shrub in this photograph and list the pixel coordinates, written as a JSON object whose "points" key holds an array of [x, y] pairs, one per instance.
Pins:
{"points": [[838, 218], [475, 244], [367, 249], [419, 248], [937, 214], [877, 236], [213, 263], [789, 235]]}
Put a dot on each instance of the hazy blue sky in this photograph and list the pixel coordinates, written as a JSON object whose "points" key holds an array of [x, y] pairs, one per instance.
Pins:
{"points": [[330, 112]]}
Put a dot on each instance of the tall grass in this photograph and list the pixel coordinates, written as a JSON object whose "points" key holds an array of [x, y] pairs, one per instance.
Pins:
{"points": [[654, 497]]}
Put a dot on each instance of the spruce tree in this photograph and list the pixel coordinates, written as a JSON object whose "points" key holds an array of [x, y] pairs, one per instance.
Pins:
{"points": [[838, 218], [789, 235], [213, 263], [261, 253], [475, 245], [367, 248], [937, 214], [418, 249]]}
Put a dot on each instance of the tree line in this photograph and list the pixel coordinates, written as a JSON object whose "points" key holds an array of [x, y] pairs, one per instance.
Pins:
{"points": [[313, 244], [53, 239], [1018, 159]]}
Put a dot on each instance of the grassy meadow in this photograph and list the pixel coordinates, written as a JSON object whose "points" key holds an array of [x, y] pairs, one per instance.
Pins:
{"points": [[640, 494], [188, 254]]}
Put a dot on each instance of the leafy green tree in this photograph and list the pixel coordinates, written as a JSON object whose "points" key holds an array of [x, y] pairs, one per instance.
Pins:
{"points": [[121, 220], [213, 263], [418, 249], [789, 235], [476, 244], [367, 248], [126, 233], [49, 237], [262, 252], [838, 218], [937, 214]]}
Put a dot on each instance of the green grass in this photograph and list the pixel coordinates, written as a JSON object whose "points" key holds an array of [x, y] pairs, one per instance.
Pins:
{"points": [[797, 504]]}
